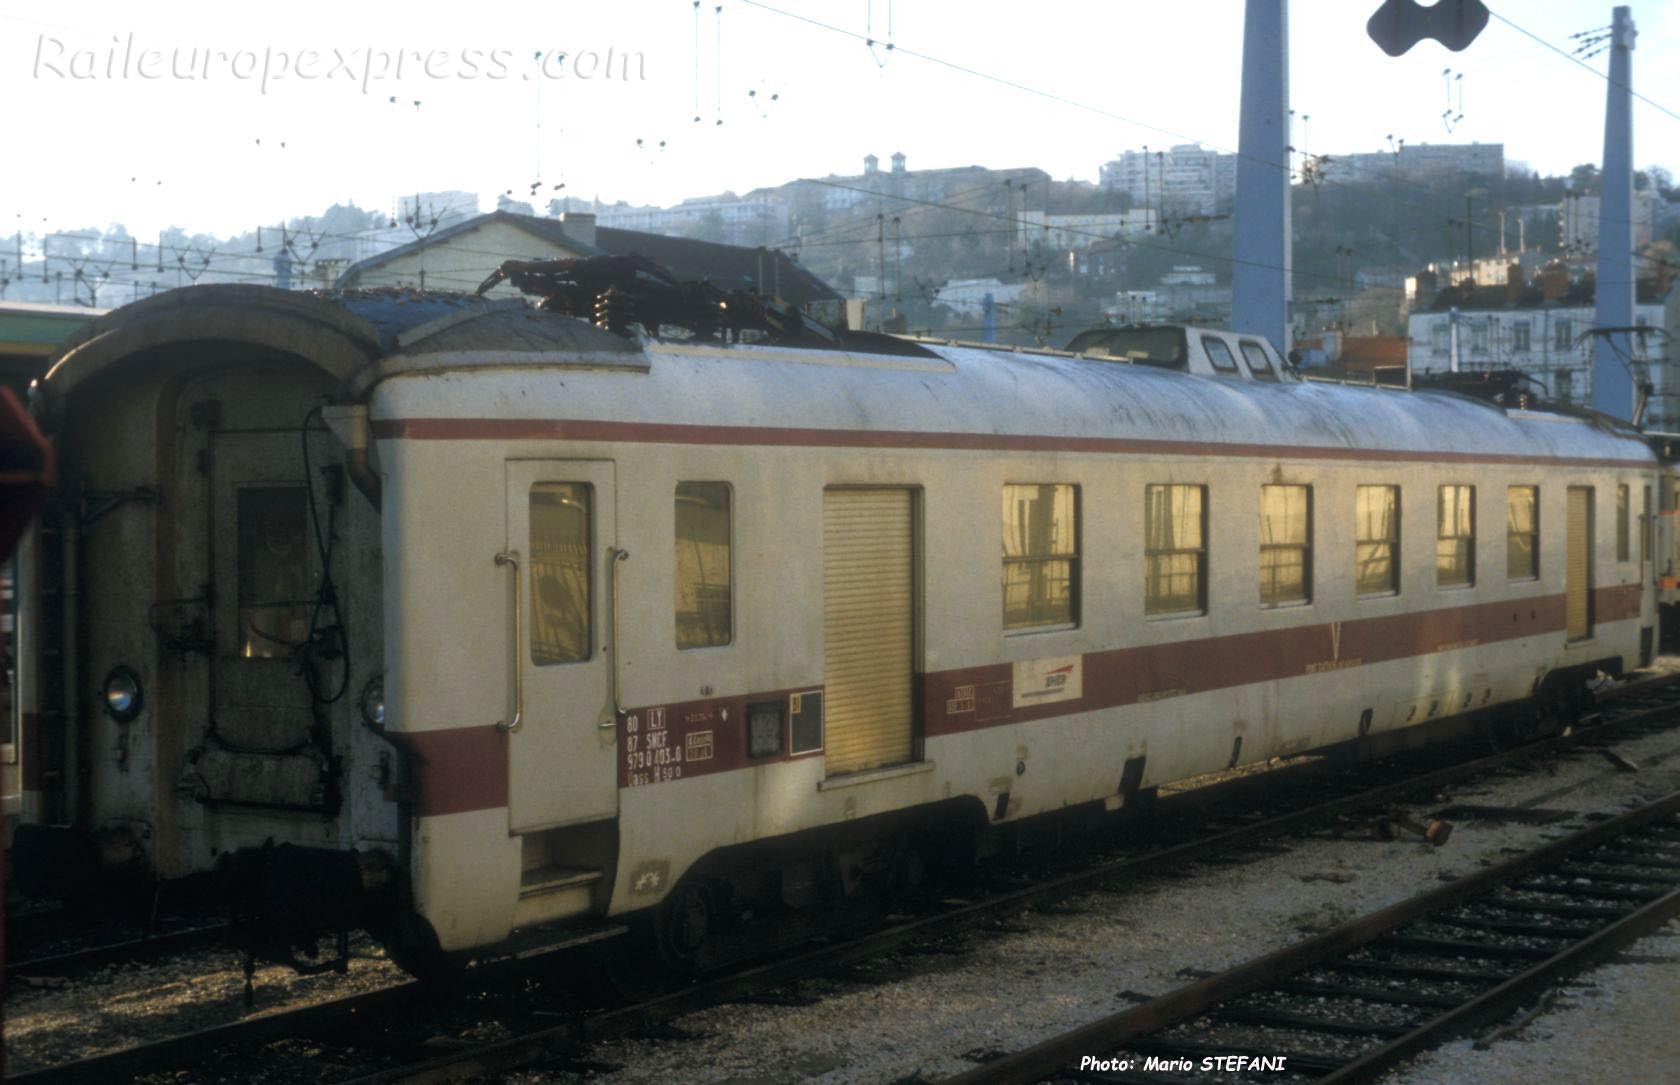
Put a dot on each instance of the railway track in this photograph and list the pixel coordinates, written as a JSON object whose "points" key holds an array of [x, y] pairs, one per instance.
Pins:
{"points": [[147, 945], [547, 1029], [60, 940], [1353, 1001]]}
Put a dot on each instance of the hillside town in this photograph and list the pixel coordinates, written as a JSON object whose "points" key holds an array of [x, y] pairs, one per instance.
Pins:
{"points": [[1422, 256]]}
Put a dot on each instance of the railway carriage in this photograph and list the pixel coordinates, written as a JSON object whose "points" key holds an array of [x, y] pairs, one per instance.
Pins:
{"points": [[490, 624], [1665, 533]]}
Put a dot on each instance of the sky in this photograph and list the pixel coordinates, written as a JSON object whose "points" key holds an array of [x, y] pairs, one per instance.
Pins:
{"points": [[198, 116]]}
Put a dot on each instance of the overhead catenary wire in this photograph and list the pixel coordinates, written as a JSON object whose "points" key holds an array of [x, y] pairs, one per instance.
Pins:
{"points": [[1658, 106], [1023, 87], [1013, 84], [1485, 224], [1053, 96]]}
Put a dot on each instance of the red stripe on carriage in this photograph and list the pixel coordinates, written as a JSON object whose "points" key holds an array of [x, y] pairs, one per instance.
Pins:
{"points": [[480, 429], [1617, 604], [980, 697], [458, 770], [464, 769]]}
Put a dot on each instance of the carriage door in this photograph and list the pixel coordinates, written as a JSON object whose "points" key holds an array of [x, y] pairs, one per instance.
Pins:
{"points": [[266, 552], [868, 628], [1578, 574], [561, 763], [273, 657]]}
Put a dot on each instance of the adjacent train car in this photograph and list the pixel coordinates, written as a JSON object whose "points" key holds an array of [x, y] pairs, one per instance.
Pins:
{"points": [[468, 621], [1664, 519]]}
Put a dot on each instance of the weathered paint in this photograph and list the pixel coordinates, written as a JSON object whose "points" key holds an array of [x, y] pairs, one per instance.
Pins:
{"points": [[509, 429], [954, 428], [460, 769], [953, 424]]}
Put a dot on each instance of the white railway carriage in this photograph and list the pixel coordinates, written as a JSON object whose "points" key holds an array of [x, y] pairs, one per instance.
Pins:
{"points": [[1664, 514], [659, 624]]}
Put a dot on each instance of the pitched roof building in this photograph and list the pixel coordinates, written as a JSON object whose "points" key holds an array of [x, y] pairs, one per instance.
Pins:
{"points": [[462, 256]]}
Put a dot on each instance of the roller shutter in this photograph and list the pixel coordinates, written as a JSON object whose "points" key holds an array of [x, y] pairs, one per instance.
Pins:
{"points": [[1577, 587], [868, 614]]}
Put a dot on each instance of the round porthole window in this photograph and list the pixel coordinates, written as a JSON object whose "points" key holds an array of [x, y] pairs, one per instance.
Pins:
{"points": [[373, 702], [123, 695]]}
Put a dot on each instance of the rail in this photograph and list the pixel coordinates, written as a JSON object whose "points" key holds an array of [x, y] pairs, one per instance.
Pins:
{"points": [[1235, 998], [574, 1033]]}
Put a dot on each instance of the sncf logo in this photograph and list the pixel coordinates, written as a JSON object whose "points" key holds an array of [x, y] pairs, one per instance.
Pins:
{"points": [[1055, 681], [1047, 681]]}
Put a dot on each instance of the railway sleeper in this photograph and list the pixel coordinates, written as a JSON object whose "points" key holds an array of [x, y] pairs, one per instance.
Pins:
{"points": [[1246, 1015], [1501, 926], [1364, 993], [1616, 877], [1635, 859], [1485, 977], [1455, 948], [1569, 911], [1592, 891]]}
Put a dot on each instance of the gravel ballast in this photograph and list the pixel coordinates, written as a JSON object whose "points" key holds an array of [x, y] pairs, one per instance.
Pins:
{"points": [[1098, 953]]}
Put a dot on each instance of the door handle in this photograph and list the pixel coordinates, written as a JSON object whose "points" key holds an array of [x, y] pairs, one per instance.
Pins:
{"points": [[511, 557], [614, 557]]}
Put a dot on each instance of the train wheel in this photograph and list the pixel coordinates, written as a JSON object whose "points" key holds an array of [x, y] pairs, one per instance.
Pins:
{"points": [[627, 969], [684, 924], [1556, 707], [1533, 721], [664, 948], [1561, 708]]}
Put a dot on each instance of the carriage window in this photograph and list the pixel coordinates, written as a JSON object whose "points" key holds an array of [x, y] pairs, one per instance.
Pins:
{"points": [[1219, 354], [704, 617], [1040, 555], [1376, 548], [1258, 364], [1175, 549], [1621, 523], [1162, 347], [1285, 545], [1522, 532], [1645, 528], [1455, 537], [559, 572], [274, 586]]}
